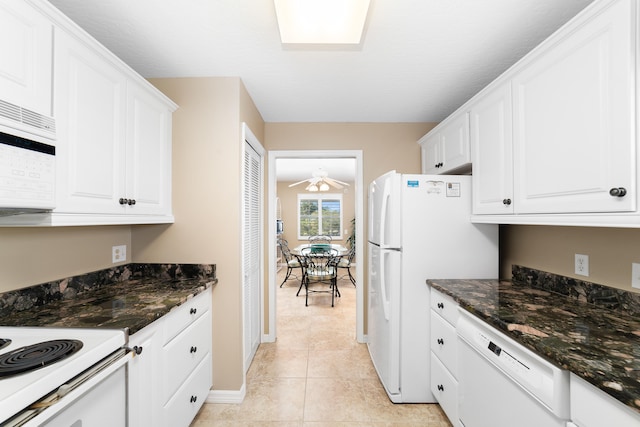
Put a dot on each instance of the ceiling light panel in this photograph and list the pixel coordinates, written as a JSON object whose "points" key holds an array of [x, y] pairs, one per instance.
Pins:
{"points": [[321, 21]]}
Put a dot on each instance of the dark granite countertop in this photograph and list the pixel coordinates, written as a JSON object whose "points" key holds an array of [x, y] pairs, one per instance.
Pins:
{"points": [[130, 297], [595, 342]]}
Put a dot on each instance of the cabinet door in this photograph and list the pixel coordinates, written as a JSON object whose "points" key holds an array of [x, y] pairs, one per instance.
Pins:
{"points": [[148, 176], [430, 149], [26, 47], [90, 108], [574, 119], [491, 150], [144, 379], [455, 144]]}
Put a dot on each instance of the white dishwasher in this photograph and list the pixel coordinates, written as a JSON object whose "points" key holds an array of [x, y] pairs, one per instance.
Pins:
{"points": [[503, 384]]}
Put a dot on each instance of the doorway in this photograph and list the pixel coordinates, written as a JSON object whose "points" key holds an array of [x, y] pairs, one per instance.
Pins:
{"points": [[269, 331]]}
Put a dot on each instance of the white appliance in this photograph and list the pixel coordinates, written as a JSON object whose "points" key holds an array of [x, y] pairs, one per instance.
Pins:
{"points": [[419, 228], [502, 383], [27, 173], [81, 379]]}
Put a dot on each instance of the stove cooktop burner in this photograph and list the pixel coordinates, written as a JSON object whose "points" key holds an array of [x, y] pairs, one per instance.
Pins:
{"points": [[36, 356], [4, 342]]}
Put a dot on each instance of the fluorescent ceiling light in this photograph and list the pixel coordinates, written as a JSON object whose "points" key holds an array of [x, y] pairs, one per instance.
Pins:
{"points": [[321, 21]]}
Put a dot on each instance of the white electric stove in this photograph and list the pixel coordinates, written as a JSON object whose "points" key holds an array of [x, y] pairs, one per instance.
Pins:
{"points": [[66, 361]]}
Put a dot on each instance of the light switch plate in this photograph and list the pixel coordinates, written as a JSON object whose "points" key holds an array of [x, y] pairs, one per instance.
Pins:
{"points": [[635, 275], [118, 253]]}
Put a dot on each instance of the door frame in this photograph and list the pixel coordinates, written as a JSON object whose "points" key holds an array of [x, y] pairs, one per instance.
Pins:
{"points": [[270, 334]]}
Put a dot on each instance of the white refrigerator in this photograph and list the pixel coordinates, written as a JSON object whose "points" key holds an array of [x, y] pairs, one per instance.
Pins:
{"points": [[419, 228]]}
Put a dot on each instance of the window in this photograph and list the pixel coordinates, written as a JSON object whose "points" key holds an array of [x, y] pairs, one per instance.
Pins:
{"points": [[319, 214]]}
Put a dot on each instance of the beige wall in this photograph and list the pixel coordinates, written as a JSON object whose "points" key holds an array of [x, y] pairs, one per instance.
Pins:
{"points": [[289, 202], [29, 256], [207, 166], [611, 251]]}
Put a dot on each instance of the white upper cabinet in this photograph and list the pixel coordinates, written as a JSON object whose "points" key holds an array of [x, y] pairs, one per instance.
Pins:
{"points": [[114, 150], [490, 136], [573, 119], [90, 106], [26, 46], [446, 147], [148, 173]]}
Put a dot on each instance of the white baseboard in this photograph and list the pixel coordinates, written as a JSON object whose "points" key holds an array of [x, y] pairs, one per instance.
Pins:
{"points": [[227, 396]]}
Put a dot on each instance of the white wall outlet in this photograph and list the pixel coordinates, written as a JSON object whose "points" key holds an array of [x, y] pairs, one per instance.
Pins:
{"points": [[118, 253], [582, 265], [635, 275]]}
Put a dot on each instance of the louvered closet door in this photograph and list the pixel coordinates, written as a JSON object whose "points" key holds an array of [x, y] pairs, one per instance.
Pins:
{"points": [[251, 251]]}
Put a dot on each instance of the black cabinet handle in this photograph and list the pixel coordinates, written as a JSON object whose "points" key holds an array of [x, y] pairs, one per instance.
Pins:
{"points": [[193, 399], [440, 341], [193, 349], [618, 192], [122, 201], [440, 305], [440, 387], [136, 350], [506, 202], [193, 311], [131, 202]]}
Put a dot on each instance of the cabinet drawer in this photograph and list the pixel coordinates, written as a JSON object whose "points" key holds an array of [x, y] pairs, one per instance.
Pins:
{"points": [[185, 314], [445, 388], [445, 306], [444, 343], [185, 404], [184, 353]]}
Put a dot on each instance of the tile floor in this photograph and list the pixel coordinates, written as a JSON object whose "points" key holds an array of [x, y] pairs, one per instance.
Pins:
{"points": [[316, 374]]}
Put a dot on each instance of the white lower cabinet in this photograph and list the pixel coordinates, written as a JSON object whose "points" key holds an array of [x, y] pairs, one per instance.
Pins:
{"points": [[591, 407], [171, 377], [143, 374], [444, 354], [183, 406]]}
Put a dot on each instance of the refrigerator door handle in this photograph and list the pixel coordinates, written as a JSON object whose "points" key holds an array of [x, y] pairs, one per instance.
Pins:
{"points": [[386, 196], [383, 285]]}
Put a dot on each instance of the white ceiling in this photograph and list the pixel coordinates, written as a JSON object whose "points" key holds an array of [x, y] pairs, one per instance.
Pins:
{"points": [[299, 169], [419, 61]]}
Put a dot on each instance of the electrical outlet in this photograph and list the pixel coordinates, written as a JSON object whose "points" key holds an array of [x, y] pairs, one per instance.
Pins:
{"points": [[118, 253], [582, 265], [635, 275]]}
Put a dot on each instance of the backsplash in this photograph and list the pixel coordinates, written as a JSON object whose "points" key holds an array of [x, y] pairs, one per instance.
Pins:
{"points": [[70, 287], [611, 298]]}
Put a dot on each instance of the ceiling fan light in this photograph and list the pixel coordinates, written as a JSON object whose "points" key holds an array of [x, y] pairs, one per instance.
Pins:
{"points": [[324, 187], [321, 21], [312, 188]]}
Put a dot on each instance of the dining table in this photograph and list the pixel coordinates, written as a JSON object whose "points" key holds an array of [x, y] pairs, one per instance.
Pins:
{"points": [[341, 249]]}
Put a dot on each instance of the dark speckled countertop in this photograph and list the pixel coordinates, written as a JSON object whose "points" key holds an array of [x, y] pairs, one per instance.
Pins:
{"points": [[595, 341], [130, 296]]}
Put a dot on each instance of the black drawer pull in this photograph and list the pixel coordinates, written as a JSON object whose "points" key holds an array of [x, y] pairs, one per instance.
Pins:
{"points": [[193, 399], [193, 349], [506, 202], [193, 311], [137, 349], [440, 341], [440, 387], [440, 305]]}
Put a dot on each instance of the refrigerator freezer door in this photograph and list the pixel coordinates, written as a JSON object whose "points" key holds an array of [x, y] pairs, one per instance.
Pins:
{"points": [[384, 312], [384, 211]]}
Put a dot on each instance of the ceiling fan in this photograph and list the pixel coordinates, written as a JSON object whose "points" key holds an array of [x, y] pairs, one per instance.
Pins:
{"points": [[320, 181]]}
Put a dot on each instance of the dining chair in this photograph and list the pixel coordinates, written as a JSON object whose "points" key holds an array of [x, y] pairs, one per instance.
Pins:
{"points": [[291, 261], [346, 261], [320, 268]]}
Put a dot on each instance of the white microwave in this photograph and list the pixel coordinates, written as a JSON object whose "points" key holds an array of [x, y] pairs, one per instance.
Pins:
{"points": [[27, 173]]}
